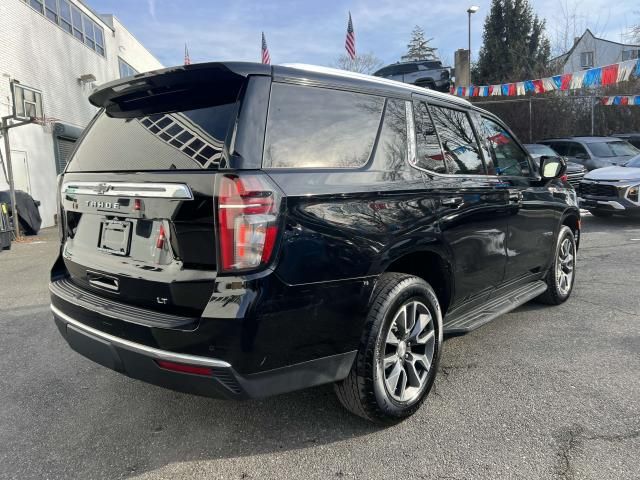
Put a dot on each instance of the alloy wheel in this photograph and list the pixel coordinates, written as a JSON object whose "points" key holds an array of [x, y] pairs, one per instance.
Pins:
{"points": [[408, 352], [565, 266]]}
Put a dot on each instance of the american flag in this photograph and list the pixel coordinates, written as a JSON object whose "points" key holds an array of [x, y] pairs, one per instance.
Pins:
{"points": [[266, 58], [187, 59], [350, 42]]}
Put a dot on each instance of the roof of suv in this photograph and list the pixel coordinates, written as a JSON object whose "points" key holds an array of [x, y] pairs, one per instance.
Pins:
{"points": [[334, 73], [203, 73]]}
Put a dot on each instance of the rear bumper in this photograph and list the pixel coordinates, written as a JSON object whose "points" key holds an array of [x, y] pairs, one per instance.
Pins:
{"points": [[141, 362]]}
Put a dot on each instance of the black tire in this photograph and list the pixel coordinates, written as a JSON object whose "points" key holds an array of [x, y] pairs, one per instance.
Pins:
{"points": [[364, 392], [556, 294], [601, 213]]}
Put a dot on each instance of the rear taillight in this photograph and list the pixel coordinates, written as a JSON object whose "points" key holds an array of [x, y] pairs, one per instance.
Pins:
{"points": [[247, 217]]}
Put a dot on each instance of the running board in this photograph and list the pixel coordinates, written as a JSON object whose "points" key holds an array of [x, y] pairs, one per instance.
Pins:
{"points": [[478, 316]]}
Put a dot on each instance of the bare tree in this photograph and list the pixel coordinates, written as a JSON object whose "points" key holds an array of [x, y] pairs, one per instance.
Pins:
{"points": [[634, 32], [570, 23], [363, 63]]}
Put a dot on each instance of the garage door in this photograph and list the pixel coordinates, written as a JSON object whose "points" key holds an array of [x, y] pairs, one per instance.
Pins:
{"points": [[65, 147]]}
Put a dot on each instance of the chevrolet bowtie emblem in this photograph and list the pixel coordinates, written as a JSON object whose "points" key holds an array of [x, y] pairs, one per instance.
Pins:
{"points": [[103, 188]]}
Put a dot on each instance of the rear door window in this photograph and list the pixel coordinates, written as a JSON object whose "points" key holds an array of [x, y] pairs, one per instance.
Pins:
{"points": [[459, 142], [408, 68], [507, 158], [429, 154], [577, 150], [310, 127], [561, 147]]}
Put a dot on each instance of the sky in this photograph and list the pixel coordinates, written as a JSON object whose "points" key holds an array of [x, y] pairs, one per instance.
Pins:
{"points": [[314, 31]]}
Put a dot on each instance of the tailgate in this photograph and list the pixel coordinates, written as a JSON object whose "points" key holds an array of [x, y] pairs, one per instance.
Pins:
{"points": [[149, 243]]}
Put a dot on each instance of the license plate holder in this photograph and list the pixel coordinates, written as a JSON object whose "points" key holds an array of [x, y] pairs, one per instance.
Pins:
{"points": [[115, 237]]}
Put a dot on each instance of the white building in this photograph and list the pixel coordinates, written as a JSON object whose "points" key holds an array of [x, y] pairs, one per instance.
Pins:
{"points": [[46, 47], [589, 51]]}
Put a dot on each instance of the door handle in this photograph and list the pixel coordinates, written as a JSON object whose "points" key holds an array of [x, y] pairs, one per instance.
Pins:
{"points": [[515, 197], [452, 202]]}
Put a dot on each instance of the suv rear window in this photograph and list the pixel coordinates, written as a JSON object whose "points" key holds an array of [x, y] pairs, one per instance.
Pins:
{"points": [[309, 127], [188, 140]]}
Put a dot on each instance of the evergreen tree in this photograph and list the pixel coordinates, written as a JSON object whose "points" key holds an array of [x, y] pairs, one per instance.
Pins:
{"points": [[419, 48], [515, 46]]}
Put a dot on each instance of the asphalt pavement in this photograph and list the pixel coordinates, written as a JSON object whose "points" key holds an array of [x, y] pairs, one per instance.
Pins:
{"points": [[542, 392]]}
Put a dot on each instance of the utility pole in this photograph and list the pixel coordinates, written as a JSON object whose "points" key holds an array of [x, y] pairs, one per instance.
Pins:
{"points": [[471, 10], [7, 148], [530, 120]]}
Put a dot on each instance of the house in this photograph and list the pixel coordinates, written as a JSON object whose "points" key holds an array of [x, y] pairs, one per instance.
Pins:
{"points": [[52, 55], [589, 51]]}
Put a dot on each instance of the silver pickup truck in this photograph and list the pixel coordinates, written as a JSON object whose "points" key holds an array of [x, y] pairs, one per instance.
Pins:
{"points": [[423, 73]]}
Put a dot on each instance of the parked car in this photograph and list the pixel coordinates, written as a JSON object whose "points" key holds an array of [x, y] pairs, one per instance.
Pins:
{"points": [[612, 190], [242, 230], [425, 73], [593, 152], [632, 138], [574, 172]]}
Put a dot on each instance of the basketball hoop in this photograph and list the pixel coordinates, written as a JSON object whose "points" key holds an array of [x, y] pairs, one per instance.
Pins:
{"points": [[46, 123]]}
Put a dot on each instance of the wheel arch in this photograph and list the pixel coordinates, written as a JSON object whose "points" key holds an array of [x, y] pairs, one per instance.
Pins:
{"points": [[572, 219], [430, 265]]}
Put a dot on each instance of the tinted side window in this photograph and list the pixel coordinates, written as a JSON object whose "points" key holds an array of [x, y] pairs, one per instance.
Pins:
{"points": [[310, 127], [575, 149], [409, 68], [506, 155], [561, 147], [428, 152], [459, 143], [383, 72], [391, 151]]}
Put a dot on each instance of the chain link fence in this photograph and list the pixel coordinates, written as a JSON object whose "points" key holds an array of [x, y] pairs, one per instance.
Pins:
{"points": [[535, 118]]}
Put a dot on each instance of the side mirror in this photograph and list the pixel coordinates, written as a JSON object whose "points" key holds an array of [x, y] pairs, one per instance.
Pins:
{"points": [[582, 156], [552, 167]]}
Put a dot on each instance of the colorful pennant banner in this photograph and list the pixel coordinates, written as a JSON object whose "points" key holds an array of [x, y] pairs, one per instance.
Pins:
{"points": [[621, 100], [594, 77]]}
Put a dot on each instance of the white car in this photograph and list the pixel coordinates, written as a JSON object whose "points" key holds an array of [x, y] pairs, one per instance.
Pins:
{"points": [[612, 190]]}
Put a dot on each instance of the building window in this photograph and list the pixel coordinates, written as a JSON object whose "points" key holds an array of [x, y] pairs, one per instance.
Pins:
{"points": [[36, 5], [630, 54], [126, 70], [586, 59], [51, 10], [69, 17], [27, 101]]}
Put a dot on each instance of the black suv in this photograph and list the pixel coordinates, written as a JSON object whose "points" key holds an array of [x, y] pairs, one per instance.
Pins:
{"points": [[239, 230]]}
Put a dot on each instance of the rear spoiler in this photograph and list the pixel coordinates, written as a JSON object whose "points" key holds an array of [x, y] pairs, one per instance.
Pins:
{"points": [[176, 88]]}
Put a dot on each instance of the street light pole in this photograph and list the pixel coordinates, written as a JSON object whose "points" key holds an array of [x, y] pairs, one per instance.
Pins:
{"points": [[472, 9]]}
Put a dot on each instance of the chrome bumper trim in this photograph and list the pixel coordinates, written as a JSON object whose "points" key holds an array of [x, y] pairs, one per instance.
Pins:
{"points": [[611, 203], [139, 348], [177, 191]]}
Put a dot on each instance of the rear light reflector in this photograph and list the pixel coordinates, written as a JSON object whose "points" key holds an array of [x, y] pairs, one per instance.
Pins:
{"points": [[564, 178], [185, 368], [247, 217], [160, 238]]}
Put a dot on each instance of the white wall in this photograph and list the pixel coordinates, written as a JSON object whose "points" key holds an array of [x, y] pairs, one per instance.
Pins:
{"points": [[39, 54], [605, 52]]}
